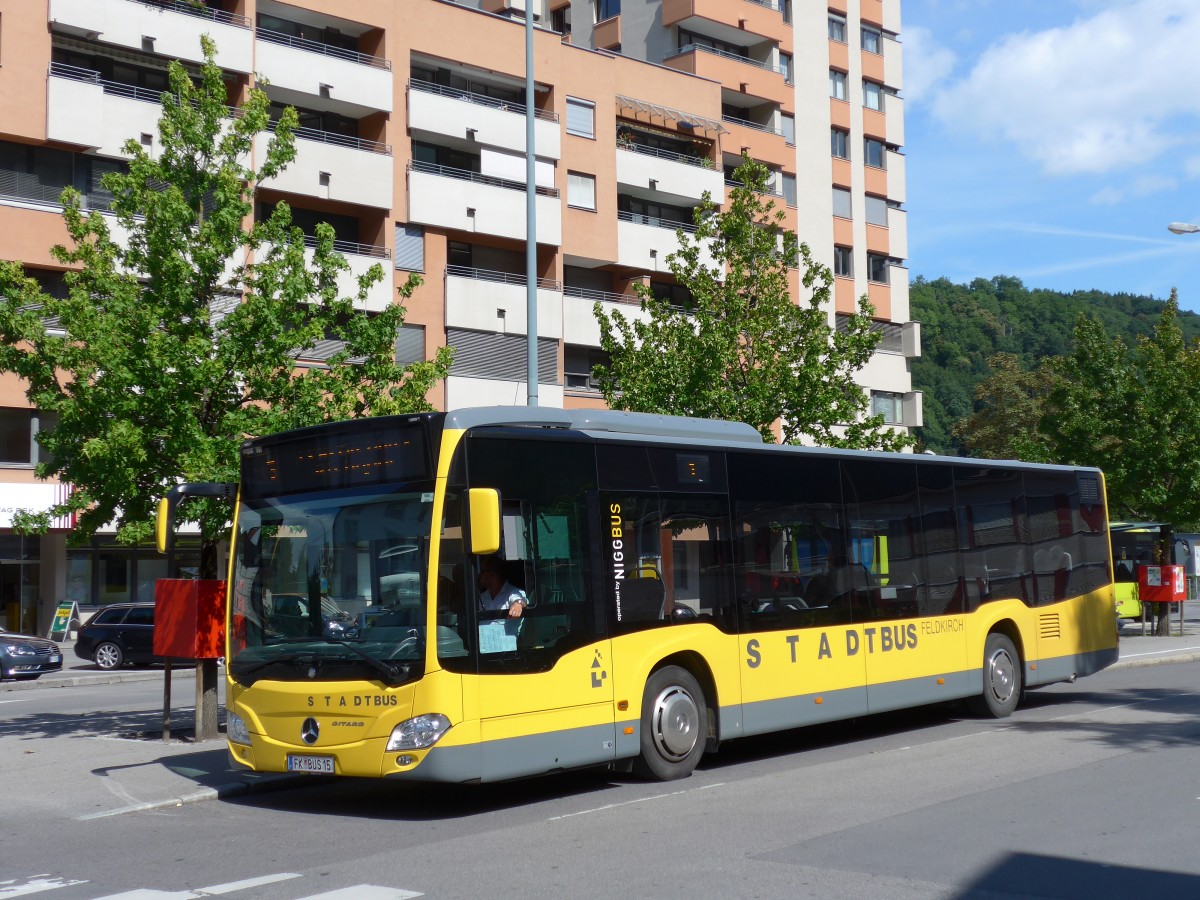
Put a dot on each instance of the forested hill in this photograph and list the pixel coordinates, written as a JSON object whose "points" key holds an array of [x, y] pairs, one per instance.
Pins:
{"points": [[962, 325]]}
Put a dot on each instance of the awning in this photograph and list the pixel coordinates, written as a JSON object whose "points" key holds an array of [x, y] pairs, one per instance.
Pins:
{"points": [[681, 119]]}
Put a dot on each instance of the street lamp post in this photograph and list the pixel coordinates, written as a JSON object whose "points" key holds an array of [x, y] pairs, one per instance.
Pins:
{"points": [[1183, 228]]}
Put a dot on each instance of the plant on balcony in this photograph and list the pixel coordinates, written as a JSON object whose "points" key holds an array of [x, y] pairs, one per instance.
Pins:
{"points": [[745, 349], [183, 320]]}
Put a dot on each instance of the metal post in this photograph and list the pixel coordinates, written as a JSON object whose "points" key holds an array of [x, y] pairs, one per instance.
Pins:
{"points": [[531, 372]]}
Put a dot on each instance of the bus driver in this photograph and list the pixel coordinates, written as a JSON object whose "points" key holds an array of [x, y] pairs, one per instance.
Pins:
{"points": [[495, 590]]}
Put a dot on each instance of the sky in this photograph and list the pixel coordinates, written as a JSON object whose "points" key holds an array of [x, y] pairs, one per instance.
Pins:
{"points": [[1054, 141]]}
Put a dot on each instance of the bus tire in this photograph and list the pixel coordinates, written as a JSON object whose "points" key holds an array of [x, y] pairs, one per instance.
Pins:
{"points": [[674, 725], [1001, 679]]}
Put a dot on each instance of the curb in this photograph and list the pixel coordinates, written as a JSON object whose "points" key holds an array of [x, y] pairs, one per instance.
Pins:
{"points": [[59, 681], [266, 784], [1157, 658]]}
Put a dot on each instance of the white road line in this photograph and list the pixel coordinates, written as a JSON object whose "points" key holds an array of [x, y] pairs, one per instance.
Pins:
{"points": [[200, 893], [366, 892], [34, 884], [584, 812], [22, 700]]}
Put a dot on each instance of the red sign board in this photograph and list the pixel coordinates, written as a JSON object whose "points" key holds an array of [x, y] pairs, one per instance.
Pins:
{"points": [[189, 618], [1161, 584]]}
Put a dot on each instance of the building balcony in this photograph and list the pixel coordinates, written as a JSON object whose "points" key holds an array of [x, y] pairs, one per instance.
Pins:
{"points": [[485, 300], [170, 28], [580, 325], [645, 242], [607, 34], [85, 110], [728, 21], [894, 120], [460, 200], [437, 110], [896, 165], [332, 166], [361, 257], [676, 175], [763, 142], [346, 81], [758, 78]]}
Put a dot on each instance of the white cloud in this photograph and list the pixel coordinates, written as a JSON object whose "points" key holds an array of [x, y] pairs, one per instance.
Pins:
{"points": [[926, 64], [1101, 94], [1141, 186]]}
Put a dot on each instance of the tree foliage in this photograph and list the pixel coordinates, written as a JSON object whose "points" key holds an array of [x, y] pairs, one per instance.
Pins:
{"points": [[182, 322], [743, 349], [1010, 404], [964, 325]]}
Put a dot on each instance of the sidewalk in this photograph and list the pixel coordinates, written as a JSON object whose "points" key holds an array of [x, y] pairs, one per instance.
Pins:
{"points": [[109, 764]]}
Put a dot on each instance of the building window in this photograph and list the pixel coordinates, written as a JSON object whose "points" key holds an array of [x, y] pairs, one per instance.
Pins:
{"points": [[837, 84], [787, 123], [788, 183], [877, 211], [837, 29], [581, 190], [888, 405], [410, 344], [841, 203], [581, 118], [873, 96], [843, 262], [18, 436], [839, 143], [579, 364], [410, 247], [606, 9], [873, 152], [786, 66], [872, 39], [878, 268], [560, 20]]}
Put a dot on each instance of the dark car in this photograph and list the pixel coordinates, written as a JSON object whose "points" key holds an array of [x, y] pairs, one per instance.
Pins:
{"points": [[119, 634], [24, 658]]}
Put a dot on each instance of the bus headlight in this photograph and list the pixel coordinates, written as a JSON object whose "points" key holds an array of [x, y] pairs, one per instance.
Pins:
{"points": [[418, 733], [236, 730]]}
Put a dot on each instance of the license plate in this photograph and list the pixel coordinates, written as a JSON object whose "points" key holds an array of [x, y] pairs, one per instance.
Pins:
{"points": [[321, 764], [55, 657]]}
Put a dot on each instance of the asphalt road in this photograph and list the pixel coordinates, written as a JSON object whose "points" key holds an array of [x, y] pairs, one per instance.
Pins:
{"points": [[1090, 790]]}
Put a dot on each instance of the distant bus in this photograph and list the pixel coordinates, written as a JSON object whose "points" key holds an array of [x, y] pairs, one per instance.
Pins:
{"points": [[685, 585]]}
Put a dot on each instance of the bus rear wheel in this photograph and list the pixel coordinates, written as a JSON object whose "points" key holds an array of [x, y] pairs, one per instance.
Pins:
{"points": [[1001, 679], [674, 725]]}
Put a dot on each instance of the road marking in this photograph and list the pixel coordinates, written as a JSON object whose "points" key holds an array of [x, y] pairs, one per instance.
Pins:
{"points": [[366, 892], [34, 884], [22, 700], [204, 794], [584, 812], [200, 893]]}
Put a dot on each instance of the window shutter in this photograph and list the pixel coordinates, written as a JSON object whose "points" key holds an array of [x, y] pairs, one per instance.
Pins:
{"points": [[410, 247]]}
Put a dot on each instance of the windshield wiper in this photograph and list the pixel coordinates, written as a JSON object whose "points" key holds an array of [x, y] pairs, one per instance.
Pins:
{"points": [[289, 659]]}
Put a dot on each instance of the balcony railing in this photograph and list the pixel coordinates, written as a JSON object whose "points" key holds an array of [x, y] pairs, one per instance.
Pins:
{"points": [[745, 123], [299, 43], [339, 140], [429, 87], [352, 247], [768, 190], [769, 4], [758, 64], [702, 162], [606, 296], [203, 12], [655, 222], [117, 88], [416, 165], [23, 186], [545, 284]]}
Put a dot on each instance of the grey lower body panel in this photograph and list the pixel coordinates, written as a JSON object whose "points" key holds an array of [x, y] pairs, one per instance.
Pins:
{"points": [[1064, 668], [794, 712]]}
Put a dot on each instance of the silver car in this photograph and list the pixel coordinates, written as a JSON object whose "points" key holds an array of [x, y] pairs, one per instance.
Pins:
{"points": [[24, 658]]}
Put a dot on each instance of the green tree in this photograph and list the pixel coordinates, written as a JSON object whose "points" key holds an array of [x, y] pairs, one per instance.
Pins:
{"points": [[176, 342], [1010, 404], [743, 349]]}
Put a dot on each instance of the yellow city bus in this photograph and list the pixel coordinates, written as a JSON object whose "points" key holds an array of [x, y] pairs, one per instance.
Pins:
{"points": [[684, 584]]}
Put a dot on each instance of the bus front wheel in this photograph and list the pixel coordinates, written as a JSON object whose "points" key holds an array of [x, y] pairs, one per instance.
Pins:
{"points": [[674, 725], [1001, 679]]}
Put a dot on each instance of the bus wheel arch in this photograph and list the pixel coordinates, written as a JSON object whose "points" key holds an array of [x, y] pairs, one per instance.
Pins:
{"points": [[677, 718], [1003, 673]]}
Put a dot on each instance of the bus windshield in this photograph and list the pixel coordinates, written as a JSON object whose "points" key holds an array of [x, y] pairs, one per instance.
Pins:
{"points": [[330, 586]]}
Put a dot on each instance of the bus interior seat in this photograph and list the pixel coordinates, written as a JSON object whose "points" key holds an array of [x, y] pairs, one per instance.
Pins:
{"points": [[642, 599]]}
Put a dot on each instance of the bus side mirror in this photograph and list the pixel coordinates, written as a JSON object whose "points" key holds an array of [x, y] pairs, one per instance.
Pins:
{"points": [[485, 520], [163, 532]]}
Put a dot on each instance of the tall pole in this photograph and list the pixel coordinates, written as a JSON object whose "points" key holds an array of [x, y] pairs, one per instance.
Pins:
{"points": [[531, 351]]}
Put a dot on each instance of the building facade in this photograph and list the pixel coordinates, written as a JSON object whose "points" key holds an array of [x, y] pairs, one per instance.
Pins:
{"points": [[412, 146]]}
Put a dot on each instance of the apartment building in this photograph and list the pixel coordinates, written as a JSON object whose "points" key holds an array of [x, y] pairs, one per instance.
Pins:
{"points": [[412, 146]]}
